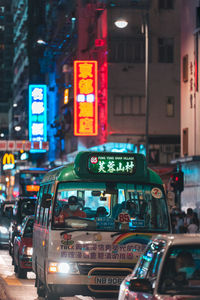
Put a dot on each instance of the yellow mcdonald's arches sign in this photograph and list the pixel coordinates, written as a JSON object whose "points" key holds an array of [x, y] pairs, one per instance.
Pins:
{"points": [[8, 161]]}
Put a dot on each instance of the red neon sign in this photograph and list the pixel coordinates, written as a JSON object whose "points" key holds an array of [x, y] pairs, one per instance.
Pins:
{"points": [[85, 98]]}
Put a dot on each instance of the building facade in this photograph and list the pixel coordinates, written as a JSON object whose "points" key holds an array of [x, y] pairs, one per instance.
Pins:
{"points": [[6, 55], [86, 30], [125, 119], [59, 44], [190, 107], [28, 23]]}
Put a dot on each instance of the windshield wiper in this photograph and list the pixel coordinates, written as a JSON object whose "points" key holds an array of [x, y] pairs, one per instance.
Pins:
{"points": [[135, 230], [71, 230]]}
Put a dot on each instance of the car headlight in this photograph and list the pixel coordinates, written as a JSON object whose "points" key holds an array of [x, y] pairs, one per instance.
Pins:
{"points": [[3, 229], [27, 251], [63, 268]]}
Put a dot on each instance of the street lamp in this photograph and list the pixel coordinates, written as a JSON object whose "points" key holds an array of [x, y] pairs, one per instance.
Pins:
{"points": [[146, 31], [17, 128], [41, 42], [121, 23]]}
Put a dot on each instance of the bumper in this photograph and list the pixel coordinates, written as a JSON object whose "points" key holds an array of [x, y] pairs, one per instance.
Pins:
{"points": [[83, 284], [4, 239], [26, 262], [72, 290]]}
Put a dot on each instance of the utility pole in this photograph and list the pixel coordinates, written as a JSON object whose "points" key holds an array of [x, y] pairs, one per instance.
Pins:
{"points": [[146, 30]]}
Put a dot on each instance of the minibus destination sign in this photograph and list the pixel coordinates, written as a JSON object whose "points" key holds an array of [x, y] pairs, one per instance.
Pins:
{"points": [[113, 164]]}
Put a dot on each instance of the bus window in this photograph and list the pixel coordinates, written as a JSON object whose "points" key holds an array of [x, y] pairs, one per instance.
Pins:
{"points": [[27, 182], [133, 205]]}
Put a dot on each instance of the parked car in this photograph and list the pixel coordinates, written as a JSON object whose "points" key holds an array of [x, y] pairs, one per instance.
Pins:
{"points": [[6, 214], [24, 206], [22, 248], [168, 269]]}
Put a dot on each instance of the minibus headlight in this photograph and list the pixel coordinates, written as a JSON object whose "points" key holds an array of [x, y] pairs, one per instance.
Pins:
{"points": [[63, 267]]}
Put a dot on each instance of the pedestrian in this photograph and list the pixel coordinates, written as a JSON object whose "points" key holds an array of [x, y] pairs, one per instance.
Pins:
{"points": [[191, 222], [177, 220]]}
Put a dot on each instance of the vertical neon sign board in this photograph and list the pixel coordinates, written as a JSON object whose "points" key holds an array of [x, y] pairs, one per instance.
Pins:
{"points": [[85, 98], [38, 114]]}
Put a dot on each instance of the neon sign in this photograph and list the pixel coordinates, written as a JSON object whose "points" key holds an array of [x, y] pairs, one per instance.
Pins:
{"points": [[85, 98], [8, 161], [66, 96], [38, 115]]}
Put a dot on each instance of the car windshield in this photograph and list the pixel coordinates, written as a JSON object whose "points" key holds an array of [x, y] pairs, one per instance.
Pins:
{"points": [[181, 271], [27, 208], [108, 207], [28, 230]]}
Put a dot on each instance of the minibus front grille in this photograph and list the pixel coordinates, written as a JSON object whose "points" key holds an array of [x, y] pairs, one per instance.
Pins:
{"points": [[104, 270]]}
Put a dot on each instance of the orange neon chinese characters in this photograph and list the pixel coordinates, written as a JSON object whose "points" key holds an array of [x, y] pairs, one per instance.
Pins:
{"points": [[85, 98]]}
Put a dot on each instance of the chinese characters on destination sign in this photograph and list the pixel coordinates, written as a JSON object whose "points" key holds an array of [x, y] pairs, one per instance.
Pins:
{"points": [[112, 164]]}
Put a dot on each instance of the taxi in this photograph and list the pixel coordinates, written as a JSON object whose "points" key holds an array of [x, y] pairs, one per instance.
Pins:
{"points": [[22, 248], [6, 210], [168, 269]]}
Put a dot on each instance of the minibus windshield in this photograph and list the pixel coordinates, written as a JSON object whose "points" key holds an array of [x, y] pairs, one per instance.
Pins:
{"points": [[110, 207]]}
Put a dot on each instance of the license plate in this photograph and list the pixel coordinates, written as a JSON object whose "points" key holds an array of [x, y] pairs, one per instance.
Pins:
{"points": [[108, 280]]}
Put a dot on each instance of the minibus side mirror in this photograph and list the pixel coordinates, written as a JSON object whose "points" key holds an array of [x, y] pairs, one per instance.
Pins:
{"points": [[46, 200]]}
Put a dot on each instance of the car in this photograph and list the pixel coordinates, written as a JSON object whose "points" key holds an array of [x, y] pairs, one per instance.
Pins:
{"points": [[6, 213], [24, 206], [169, 268], [22, 248]]}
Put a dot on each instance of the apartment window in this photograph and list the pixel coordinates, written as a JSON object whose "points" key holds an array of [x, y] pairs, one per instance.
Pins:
{"points": [[166, 4], [170, 106], [127, 50], [185, 141], [129, 105], [165, 50], [185, 68], [197, 17]]}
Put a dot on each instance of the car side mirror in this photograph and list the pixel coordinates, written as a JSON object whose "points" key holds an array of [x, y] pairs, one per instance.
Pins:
{"points": [[46, 200], [140, 285]]}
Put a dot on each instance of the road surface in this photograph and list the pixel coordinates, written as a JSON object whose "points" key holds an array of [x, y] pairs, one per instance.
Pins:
{"points": [[13, 288]]}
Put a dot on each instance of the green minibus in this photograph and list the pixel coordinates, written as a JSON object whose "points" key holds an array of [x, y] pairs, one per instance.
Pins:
{"points": [[93, 219]]}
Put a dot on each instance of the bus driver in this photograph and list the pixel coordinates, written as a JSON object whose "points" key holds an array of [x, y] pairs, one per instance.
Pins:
{"points": [[73, 209]]}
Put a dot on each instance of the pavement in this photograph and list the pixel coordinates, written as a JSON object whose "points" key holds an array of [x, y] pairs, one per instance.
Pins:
{"points": [[3, 295]]}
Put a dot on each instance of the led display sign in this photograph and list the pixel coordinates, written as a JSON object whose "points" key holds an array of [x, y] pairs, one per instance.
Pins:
{"points": [[85, 98], [112, 164], [66, 96], [32, 188], [38, 115]]}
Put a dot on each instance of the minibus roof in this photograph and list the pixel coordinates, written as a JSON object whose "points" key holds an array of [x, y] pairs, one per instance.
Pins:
{"points": [[105, 166]]}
